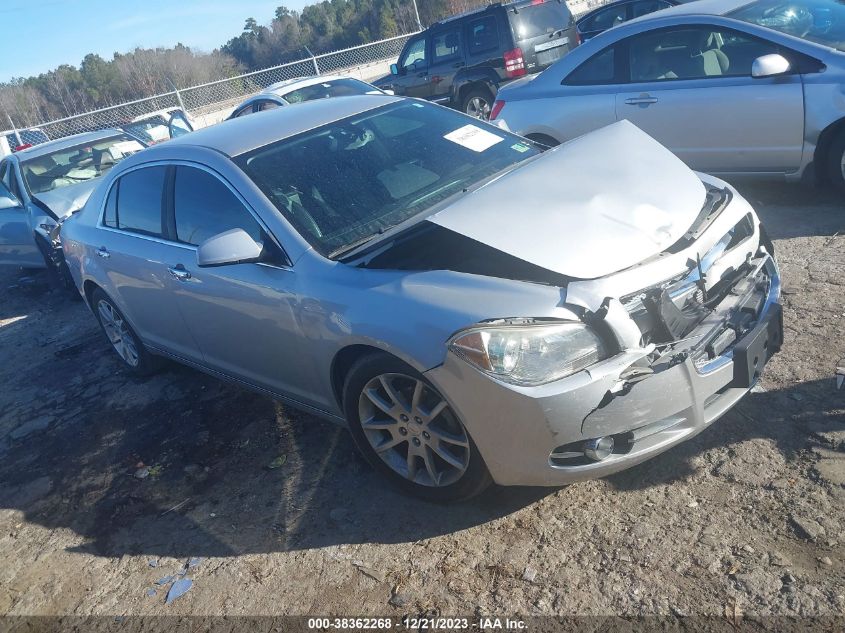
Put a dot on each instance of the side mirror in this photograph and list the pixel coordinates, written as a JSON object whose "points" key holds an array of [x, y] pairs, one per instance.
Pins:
{"points": [[232, 247], [394, 69], [179, 125], [769, 66]]}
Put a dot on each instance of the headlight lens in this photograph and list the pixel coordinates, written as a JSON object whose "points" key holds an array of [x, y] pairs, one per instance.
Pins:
{"points": [[532, 354]]}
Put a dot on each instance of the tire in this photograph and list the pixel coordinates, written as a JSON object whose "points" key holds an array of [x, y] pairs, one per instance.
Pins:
{"points": [[122, 337], [57, 271], [416, 442], [542, 139], [477, 103], [836, 161]]}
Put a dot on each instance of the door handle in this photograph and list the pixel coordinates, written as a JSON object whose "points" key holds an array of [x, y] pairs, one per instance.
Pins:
{"points": [[179, 273], [103, 252], [643, 100]]}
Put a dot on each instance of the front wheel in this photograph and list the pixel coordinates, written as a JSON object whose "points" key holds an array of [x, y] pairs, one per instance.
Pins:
{"points": [[122, 337], [477, 103], [408, 432]]}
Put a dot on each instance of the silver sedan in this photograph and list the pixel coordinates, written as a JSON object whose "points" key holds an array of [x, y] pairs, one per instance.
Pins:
{"points": [[474, 309], [730, 86]]}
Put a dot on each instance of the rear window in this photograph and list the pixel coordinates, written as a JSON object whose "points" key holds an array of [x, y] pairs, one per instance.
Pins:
{"points": [[534, 20], [136, 205]]}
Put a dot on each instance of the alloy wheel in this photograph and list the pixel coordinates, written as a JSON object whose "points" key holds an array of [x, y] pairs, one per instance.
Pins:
{"points": [[479, 108], [413, 430], [118, 333]]}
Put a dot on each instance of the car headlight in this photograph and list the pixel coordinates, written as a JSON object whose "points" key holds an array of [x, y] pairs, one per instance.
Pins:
{"points": [[530, 354]]}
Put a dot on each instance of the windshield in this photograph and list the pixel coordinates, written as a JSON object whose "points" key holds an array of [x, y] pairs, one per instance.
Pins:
{"points": [[347, 181], [77, 164], [820, 21], [333, 88], [534, 20]]}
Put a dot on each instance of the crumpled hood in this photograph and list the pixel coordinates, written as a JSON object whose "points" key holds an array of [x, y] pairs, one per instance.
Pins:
{"points": [[64, 200], [593, 206]]}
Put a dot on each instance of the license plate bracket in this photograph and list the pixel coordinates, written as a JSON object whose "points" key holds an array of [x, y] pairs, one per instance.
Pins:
{"points": [[754, 350]]}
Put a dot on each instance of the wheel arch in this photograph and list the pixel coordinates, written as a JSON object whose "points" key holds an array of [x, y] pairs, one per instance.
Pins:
{"points": [[820, 155], [348, 355]]}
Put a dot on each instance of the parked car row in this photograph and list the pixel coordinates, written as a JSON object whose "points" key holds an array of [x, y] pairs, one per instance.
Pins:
{"points": [[430, 281], [730, 86]]}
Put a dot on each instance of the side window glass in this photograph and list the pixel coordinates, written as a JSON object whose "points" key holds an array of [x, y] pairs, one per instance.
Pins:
{"points": [[599, 69], [245, 111], [446, 45], [205, 207], [110, 215], [139, 201], [606, 19], [483, 35], [415, 55], [7, 175], [694, 53], [644, 7], [268, 105]]}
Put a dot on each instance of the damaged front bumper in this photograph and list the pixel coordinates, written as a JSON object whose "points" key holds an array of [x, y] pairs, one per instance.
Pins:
{"points": [[646, 403]]}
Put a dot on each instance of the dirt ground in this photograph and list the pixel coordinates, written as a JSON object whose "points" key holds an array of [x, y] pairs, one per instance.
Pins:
{"points": [[110, 483]]}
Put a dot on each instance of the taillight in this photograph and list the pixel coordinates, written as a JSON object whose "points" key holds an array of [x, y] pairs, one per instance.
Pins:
{"points": [[514, 63], [24, 146], [497, 108], [577, 38]]}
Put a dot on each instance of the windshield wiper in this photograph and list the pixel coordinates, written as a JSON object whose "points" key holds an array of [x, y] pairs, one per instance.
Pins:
{"points": [[338, 252]]}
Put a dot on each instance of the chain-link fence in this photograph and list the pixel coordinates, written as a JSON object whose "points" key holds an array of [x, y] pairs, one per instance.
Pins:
{"points": [[211, 102]]}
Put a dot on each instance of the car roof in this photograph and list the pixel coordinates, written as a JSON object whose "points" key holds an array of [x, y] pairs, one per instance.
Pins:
{"points": [[489, 7], [698, 7], [283, 87], [48, 147], [242, 134]]}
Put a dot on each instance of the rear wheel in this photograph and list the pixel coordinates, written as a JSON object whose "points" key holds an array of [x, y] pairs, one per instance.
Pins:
{"points": [[477, 103], [408, 432], [122, 337], [836, 161]]}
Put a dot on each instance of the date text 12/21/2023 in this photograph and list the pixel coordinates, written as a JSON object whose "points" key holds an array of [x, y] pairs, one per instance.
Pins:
{"points": [[417, 623]]}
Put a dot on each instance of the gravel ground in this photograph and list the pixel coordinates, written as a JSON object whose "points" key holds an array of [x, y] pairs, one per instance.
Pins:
{"points": [[110, 483]]}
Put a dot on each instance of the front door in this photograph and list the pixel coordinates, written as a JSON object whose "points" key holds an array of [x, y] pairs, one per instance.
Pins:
{"points": [[17, 244], [242, 316], [691, 89], [413, 79]]}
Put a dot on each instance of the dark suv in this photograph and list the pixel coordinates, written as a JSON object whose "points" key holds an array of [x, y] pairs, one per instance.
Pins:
{"points": [[463, 60]]}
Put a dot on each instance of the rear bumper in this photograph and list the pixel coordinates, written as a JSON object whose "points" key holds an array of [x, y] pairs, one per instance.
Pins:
{"points": [[531, 435]]}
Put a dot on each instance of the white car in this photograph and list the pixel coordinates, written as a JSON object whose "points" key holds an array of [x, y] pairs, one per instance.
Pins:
{"points": [[302, 89]]}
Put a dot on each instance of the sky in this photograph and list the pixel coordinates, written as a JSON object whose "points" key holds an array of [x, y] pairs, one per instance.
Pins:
{"points": [[39, 35]]}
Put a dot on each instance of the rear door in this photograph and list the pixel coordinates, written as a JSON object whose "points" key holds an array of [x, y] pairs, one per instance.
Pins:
{"points": [[484, 45], [447, 58], [544, 31], [691, 89], [17, 243], [137, 260]]}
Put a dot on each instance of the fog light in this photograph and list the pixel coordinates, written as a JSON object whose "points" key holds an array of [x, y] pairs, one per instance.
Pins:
{"points": [[599, 448]]}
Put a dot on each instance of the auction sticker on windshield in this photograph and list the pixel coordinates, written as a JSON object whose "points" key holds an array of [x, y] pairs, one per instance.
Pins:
{"points": [[473, 137]]}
